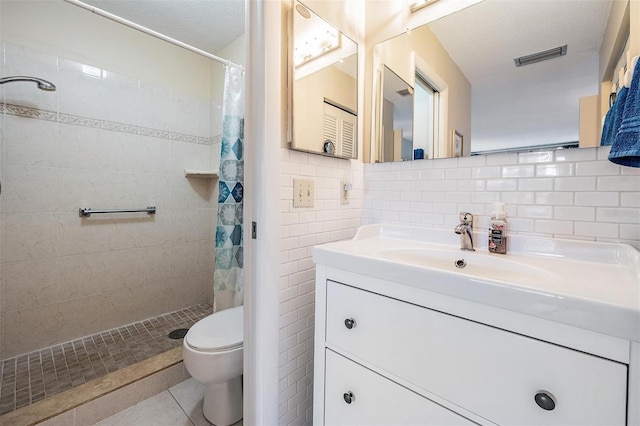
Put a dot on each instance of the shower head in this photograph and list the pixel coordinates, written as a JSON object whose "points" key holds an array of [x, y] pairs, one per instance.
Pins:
{"points": [[42, 84], [47, 86]]}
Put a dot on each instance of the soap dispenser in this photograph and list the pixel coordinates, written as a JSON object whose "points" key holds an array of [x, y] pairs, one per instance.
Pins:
{"points": [[498, 229]]}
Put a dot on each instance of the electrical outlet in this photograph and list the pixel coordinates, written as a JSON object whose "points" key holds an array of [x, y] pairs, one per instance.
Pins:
{"points": [[303, 192], [345, 190]]}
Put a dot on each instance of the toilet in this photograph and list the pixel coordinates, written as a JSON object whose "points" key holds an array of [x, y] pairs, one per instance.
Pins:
{"points": [[212, 353]]}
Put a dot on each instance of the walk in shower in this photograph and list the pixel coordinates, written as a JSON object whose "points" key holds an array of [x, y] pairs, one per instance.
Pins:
{"points": [[82, 295]]}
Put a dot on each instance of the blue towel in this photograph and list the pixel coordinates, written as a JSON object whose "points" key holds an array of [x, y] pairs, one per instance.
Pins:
{"points": [[613, 118], [625, 149]]}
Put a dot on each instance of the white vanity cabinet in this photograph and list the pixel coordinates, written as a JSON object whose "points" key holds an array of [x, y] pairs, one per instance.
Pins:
{"points": [[356, 395], [380, 360], [404, 336]]}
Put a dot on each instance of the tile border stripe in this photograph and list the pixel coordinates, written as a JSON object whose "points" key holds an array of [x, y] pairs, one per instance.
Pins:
{"points": [[42, 114]]}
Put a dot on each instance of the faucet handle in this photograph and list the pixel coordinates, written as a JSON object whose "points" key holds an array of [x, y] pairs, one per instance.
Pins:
{"points": [[466, 217]]}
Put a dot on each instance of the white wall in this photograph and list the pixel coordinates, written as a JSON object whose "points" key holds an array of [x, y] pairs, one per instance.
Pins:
{"points": [[302, 228], [575, 194], [2, 73], [265, 132]]}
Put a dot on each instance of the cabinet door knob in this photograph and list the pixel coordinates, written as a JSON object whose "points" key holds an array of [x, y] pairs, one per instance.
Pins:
{"points": [[349, 397], [545, 401], [349, 323]]}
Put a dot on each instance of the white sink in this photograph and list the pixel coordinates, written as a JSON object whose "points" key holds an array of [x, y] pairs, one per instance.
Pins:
{"points": [[591, 285], [473, 263]]}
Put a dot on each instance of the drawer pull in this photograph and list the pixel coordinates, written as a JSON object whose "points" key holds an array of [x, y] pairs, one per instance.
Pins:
{"points": [[349, 397], [349, 323], [545, 401]]}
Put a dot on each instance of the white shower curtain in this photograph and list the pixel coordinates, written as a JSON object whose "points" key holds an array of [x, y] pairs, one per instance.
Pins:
{"points": [[228, 277]]}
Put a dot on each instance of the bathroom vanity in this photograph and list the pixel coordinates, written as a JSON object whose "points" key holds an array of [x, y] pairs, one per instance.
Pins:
{"points": [[546, 335]]}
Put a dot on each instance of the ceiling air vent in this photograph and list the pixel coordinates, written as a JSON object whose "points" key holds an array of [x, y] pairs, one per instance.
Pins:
{"points": [[541, 56]]}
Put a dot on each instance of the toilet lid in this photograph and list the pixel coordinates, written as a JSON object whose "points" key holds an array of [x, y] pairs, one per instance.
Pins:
{"points": [[219, 331]]}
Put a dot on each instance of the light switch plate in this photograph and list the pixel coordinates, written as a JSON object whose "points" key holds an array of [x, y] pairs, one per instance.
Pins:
{"points": [[344, 192], [303, 192]]}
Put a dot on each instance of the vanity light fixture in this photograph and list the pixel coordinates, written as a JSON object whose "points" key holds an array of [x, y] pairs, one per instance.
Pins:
{"points": [[415, 5], [316, 45]]}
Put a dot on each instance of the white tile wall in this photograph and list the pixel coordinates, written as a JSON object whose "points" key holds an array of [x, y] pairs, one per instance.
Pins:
{"points": [[565, 194], [64, 276], [300, 230], [569, 193]]}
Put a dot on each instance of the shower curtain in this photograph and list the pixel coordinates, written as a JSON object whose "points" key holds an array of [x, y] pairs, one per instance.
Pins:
{"points": [[228, 276]]}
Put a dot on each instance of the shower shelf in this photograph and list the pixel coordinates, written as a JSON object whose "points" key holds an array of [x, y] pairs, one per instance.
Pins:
{"points": [[204, 174]]}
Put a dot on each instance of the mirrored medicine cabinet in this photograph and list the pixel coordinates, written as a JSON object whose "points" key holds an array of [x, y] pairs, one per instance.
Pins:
{"points": [[323, 80]]}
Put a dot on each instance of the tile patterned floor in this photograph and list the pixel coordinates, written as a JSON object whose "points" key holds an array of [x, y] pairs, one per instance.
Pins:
{"points": [[29, 378], [181, 405]]}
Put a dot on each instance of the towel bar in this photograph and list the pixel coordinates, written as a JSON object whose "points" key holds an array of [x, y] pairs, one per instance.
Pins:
{"points": [[86, 211]]}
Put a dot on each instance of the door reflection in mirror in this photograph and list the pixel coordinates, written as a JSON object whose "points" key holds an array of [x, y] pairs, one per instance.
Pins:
{"points": [[397, 118], [425, 118], [410, 118]]}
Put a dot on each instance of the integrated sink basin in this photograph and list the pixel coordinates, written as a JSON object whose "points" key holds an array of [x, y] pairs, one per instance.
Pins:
{"points": [[592, 285], [473, 263]]}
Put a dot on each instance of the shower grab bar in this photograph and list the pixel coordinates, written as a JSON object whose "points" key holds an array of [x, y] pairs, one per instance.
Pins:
{"points": [[86, 211]]}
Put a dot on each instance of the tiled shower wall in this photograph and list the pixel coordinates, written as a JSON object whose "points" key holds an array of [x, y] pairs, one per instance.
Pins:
{"points": [[574, 193], [300, 230], [102, 140]]}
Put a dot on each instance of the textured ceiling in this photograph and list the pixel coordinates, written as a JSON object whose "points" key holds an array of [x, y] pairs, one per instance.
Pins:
{"points": [[209, 25]]}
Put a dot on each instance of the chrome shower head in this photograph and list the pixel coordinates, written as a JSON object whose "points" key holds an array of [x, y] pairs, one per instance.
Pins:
{"points": [[42, 84], [47, 86]]}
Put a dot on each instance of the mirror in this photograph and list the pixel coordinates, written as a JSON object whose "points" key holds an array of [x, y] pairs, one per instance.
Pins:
{"points": [[470, 98], [324, 85]]}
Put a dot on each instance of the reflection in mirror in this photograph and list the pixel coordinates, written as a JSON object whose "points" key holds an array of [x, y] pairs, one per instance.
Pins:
{"points": [[325, 64], [410, 118], [426, 117], [397, 110], [467, 60], [397, 126]]}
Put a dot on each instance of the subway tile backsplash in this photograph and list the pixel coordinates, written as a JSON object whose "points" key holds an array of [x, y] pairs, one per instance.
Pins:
{"points": [[574, 193], [300, 230]]}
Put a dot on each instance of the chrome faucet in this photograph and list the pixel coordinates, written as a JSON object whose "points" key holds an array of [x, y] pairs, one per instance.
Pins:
{"points": [[465, 230]]}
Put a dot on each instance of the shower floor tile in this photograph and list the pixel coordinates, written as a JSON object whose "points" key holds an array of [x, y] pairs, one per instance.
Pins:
{"points": [[40, 374]]}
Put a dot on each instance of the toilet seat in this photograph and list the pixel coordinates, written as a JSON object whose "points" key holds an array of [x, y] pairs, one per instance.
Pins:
{"points": [[222, 331]]}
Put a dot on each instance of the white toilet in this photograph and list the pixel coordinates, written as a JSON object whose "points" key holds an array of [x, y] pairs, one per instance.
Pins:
{"points": [[212, 353]]}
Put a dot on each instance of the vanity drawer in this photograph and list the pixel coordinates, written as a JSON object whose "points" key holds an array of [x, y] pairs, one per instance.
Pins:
{"points": [[491, 372], [355, 395]]}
